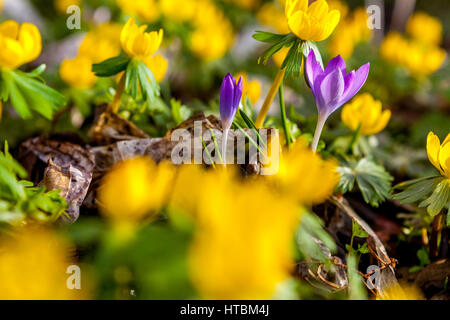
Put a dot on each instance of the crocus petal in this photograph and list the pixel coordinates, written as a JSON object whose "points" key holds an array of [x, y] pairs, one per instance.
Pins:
{"points": [[336, 62], [313, 68], [360, 78], [227, 100], [238, 93], [348, 80], [331, 90]]}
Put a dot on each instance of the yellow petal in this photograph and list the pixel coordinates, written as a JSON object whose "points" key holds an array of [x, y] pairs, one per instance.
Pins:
{"points": [[292, 6], [10, 29], [31, 42], [444, 158], [318, 9], [433, 146]]}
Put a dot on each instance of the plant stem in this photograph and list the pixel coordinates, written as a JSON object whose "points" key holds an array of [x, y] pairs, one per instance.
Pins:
{"points": [[224, 146], [114, 107], [287, 132], [270, 96], [319, 127], [434, 237]]}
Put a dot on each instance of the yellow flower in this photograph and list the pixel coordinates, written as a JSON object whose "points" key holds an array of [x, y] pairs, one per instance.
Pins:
{"points": [[314, 22], [280, 55], [425, 28], [134, 188], [171, 9], [349, 33], [439, 155], [137, 43], [366, 112], [419, 58], [339, 6], [62, 5], [242, 247], [158, 64], [18, 44], [77, 72], [33, 266], [102, 42], [397, 292], [304, 175], [251, 89], [271, 15], [146, 10]]}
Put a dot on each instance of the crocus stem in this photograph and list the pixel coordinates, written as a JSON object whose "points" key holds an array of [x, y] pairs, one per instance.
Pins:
{"points": [[270, 96], [320, 123], [224, 146], [287, 132], [114, 107]]}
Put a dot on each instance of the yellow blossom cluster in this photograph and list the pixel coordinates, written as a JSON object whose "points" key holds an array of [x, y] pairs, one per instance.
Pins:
{"points": [[207, 20], [365, 113], [351, 31], [439, 154], [420, 53], [250, 88], [272, 14]]}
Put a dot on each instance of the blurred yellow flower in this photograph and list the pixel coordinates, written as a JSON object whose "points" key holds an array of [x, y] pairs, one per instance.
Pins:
{"points": [[246, 4], [339, 6], [439, 154], [304, 175], [398, 292], [171, 9], [146, 10], [250, 88], [33, 266], [425, 28], [242, 247], [208, 23], [280, 55], [419, 58], [77, 72], [137, 43], [102, 42], [314, 22], [62, 5], [18, 44], [135, 188], [272, 15], [366, 113], [351, 31], [158, 64]]}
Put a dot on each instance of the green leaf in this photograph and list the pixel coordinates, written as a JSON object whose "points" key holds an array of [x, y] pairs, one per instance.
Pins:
{"points": [[438, 199], [357, 231], [284, 41], [149, 86], [37, 72], [110, 66], [373, 180], [417, 189], [268, 37]]}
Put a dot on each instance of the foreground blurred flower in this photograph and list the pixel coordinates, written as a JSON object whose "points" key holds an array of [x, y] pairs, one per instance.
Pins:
{"points": [[18, 44], [242, 247], [137, 43], [419, 58], [332, 87], [171, 9], [398, 292], [33, 266], [135, 188], [250, 88], [439, 154], [146, 10], [77, 72], [365, 113], [230, 97], [304, 175], [314, 22], [425, 28]]}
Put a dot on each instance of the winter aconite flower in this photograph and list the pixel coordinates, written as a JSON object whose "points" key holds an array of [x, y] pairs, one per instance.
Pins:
{"points": [[102, 42], [332, 87], [146, 10], [365, 113], [439, 154], [311, 22], [19, 44], [137, 43], [425, 28], [77, 72], [230, 97]]}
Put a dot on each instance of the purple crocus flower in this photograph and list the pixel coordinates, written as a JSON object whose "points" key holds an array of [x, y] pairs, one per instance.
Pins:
{"points": [[332, 87], [230, 96]]}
